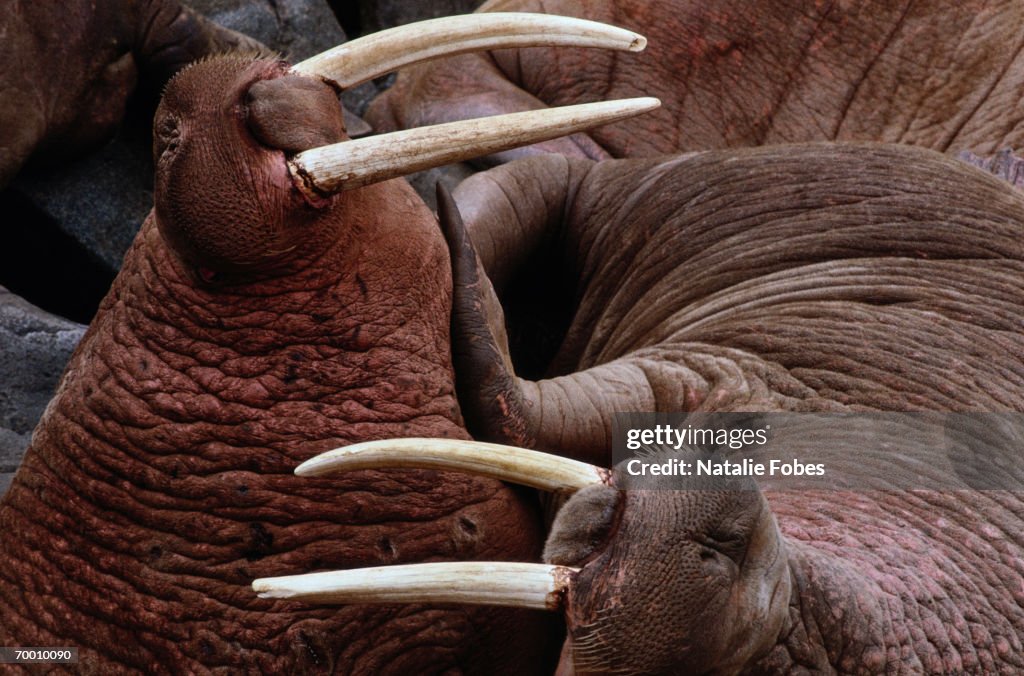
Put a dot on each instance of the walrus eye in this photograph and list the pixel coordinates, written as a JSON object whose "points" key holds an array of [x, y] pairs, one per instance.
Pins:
{"points": [[167, 136], [207, 275], [731, 545]]}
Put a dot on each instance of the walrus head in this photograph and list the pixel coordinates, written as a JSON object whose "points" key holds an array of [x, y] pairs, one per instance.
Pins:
{"points": [[250, 154], [694, 579]]}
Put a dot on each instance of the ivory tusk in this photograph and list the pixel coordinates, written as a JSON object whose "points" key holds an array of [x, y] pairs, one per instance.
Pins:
{"points": [[520, 585], [363, 59], [507, 463], [351, 164]]}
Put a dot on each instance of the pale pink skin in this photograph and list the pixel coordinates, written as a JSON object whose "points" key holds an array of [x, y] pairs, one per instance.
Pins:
{"points": [[730, 74]]}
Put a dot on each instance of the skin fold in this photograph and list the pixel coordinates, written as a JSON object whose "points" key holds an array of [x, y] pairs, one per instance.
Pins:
{"points": [[787, 278], [730, 280], [869, 582], [68, 68], [934, 74], [249, 329]]}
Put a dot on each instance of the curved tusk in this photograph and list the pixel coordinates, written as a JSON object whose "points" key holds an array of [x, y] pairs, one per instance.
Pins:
{"points": [[519, 585], [506, 463], [351, 164], [356, 62]]}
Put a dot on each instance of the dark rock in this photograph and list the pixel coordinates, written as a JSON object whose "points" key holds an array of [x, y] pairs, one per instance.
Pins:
{"points": [[99, 200], [296, 28], [34, 347], [375, 16], [43, 263]]}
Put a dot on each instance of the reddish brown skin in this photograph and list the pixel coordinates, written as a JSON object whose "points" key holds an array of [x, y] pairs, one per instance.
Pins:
{"points": [[68, 68], [941, 75], [159, 483], [787, 278]]}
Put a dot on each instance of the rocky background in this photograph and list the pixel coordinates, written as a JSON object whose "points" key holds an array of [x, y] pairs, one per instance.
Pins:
{"points": [[66, 229]]}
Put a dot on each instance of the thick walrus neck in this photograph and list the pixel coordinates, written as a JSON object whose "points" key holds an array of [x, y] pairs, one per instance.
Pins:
{"points": [[356, 341], [160, 482], [177, 379]]}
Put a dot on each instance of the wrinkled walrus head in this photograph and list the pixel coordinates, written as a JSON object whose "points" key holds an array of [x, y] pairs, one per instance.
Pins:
{"points": [[688, 576], [225, 200], [249, 154]]}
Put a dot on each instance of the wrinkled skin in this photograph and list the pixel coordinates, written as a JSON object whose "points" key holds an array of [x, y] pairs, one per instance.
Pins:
{"points": [[68, 68], [791, 278], [160, 475], [935, 74], [248, 330], [834, 582], [729, 281]]}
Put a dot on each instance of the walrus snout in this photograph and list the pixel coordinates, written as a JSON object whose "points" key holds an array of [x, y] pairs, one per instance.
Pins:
{"points": [[224, 199]]}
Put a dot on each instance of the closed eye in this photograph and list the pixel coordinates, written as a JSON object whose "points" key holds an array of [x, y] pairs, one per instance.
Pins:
{"points": [[167, 136], [733, 546]]}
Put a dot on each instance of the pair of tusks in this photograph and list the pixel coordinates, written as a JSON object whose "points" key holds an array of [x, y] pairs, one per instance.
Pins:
{"points": [[521, 585], [355, 163], [351, 164]]}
